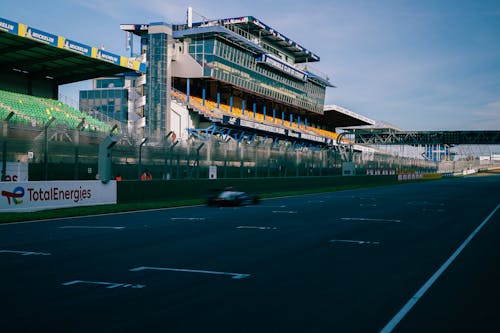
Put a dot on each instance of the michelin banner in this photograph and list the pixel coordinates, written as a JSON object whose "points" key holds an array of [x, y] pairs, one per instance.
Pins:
{"points": [[41, 36], [33, 196], [8, 26]]}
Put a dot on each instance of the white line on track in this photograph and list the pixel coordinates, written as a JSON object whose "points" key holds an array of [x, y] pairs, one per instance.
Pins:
{"points": [[234, 275], [26, 253], [57, 219], [187, 218], [255, 227], [354, 241], [89, 227], [368, 220], [284, 212], [265, 206], [415, 298]]}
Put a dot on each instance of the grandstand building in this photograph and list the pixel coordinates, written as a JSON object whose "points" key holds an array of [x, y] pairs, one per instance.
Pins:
{"points": [[235, 79], [235, 72]]}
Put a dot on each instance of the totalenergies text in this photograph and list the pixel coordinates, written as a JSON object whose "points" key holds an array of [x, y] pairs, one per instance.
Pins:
{"points": [[56, 194]]}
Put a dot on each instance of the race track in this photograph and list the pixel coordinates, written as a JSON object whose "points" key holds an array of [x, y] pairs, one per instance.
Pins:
{"points": [[416, 257]]}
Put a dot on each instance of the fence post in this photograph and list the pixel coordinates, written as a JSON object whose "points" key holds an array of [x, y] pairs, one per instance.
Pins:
{"points": [[46, 147], [139, 166], [198, 160], [5, 138]]}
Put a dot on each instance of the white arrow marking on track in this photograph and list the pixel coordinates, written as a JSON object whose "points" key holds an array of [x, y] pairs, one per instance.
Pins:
{"points": [[110, 285], [234, 275]]}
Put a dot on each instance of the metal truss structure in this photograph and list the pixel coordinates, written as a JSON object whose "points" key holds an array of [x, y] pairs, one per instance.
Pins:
{"points": [[240, 135], [392, 137]]}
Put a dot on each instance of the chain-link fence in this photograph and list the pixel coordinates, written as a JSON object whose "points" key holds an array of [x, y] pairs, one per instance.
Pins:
{"points": [[62, 154]]}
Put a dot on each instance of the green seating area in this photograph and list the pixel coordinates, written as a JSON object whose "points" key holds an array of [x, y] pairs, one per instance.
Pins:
{"points": [[37, 111]]}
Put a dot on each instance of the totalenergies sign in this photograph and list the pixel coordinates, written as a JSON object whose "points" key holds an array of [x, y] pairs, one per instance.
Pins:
{"points": [[32, 196]]}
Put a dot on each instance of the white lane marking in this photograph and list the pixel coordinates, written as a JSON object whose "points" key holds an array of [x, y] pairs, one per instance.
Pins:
{"points": [[187, 219], [88, 227], [110, 285], [354, 241], [234, 275], [26, 253], [316, 201], [367, 205], [284, 211], [255, 227], [367, 219], [56, 219], [415, 298]]}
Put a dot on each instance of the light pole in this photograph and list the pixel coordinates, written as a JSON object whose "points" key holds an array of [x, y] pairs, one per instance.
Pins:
{"points": [[5, 137], [77, 143], [171, 159], [115, 126], [139, 169], [165, 156], [46, 146], [198, 160]]}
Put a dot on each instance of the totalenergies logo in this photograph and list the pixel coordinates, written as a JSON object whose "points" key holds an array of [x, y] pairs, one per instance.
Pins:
{"points": [[16, 195]]}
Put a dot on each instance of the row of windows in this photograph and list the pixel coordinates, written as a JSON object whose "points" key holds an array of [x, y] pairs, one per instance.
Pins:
{"points": [[108, 93], [111, 105], [115, 108], [110, 83], [267, 90], [256, 77]]}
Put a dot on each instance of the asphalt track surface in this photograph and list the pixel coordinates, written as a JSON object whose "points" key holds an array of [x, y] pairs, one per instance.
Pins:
{"points": [[335, 262]]}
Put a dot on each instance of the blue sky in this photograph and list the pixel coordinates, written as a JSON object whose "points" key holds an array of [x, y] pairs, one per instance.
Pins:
{"points": [[420, 65]]}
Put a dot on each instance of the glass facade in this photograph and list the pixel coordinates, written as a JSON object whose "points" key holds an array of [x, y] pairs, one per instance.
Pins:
{"points": [[112, 103], [226, 62], [156, 86], [110, 83]]}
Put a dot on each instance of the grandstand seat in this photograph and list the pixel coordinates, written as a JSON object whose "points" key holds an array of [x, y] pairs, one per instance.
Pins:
{"points": [[38, 110], [211, 110]]}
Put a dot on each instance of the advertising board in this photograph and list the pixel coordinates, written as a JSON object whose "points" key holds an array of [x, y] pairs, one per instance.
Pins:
{"points": [[9, 26], [40, 195]]}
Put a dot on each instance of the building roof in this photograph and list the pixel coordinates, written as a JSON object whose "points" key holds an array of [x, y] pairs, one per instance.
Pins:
{"points": [[255, 27], [33, 52], [338, 117]]}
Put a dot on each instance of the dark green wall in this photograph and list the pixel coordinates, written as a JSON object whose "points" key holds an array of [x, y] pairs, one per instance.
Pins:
{"points": [[159, 190]]}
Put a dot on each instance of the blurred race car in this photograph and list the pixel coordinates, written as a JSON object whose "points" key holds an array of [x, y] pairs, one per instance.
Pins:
{"points": [[230, 197]]}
